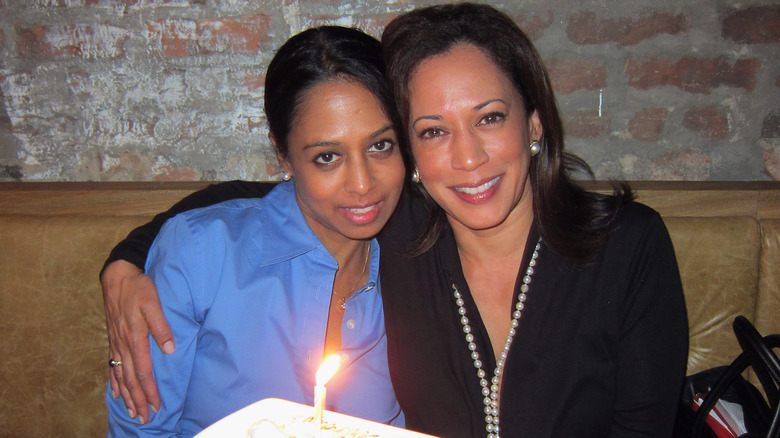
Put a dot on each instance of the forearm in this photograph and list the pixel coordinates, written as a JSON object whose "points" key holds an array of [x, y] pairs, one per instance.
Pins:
{"points": [[653, 345], [174, 269]]}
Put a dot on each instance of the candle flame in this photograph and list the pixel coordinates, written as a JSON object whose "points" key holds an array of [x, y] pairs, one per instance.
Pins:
{"points": [[328, 369]]}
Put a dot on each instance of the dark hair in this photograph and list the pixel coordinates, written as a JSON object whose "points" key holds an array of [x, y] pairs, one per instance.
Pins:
{"points": [[319, 55], [572, 221]]}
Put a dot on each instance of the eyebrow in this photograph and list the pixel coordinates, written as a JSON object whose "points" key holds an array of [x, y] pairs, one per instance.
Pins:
{"points": [[484, 104], [476, 107], [324, 144]]}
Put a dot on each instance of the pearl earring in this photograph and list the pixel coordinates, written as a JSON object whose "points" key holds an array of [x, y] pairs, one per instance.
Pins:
{"points": [[286, 176], [535, 147], [415, 175]]}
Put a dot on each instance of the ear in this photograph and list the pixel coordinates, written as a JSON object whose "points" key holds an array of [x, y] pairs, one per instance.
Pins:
{"points": [[535, 129], [283, 160]]}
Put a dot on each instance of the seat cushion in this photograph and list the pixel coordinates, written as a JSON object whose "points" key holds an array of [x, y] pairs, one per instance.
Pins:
{"points": [[718, 260], [52, 325]]}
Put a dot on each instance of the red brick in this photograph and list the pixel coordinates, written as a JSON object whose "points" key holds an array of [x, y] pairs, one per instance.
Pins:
{"points": [[254, 80], [124, 166], [756, 25], [78, 40], [647, 124], [694, 75], [568, 76], [128, 3], [771, 126], [128, 166], [534, 25], [252, 124], [586, 124], [370, 24], [710, 122], [682, 166], [177, 38], [172, 173], [584, 28]]}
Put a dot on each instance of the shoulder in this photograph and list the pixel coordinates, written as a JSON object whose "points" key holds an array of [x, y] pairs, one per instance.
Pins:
{"points": [[233, 218], [639, 233], [407, 223], [634, 217], [232, 213]]}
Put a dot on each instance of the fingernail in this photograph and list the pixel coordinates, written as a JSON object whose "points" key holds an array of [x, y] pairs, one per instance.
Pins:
{"points": [[114, 394], [168, 347], [142, 420], [156, 410], [131, 413]]}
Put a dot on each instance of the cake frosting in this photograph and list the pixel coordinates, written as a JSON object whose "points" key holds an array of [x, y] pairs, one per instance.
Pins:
{"points": [[303, 427]]}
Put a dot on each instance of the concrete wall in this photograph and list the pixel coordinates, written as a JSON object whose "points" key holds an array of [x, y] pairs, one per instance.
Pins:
{"points": [[131, 90]]}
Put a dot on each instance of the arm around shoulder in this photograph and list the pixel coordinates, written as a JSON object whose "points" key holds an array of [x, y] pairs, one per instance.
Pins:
{"points": [[653, 344]]}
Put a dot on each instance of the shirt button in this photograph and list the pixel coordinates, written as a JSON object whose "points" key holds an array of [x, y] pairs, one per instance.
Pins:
{"points": [[351, 324]]}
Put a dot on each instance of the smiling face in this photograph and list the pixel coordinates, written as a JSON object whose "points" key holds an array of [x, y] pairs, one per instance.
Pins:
{"points": [[346, 162], [470, 138]]}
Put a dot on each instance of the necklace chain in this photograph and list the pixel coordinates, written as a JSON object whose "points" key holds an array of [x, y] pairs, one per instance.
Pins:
{"points": [[490, 391], [343, 299]]}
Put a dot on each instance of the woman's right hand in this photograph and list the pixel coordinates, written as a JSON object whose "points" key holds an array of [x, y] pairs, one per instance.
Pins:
{"points": [[133, 311]]}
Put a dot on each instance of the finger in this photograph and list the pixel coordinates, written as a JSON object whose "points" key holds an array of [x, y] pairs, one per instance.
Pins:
{"points": [[142, 363], [158, 325], [114, 385], [135, 392], [111, 377], [116, 374]]}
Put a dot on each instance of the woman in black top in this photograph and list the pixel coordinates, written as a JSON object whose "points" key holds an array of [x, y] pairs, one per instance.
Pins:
{"points": [[515, 302]]}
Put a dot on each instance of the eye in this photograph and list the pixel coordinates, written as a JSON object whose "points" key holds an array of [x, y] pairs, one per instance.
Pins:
{"points": [[383, 145], [327, 158], [430, 133], [492, 118]]}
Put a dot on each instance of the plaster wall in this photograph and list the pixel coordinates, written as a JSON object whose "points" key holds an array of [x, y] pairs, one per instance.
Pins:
{"points": [[136, 90]]}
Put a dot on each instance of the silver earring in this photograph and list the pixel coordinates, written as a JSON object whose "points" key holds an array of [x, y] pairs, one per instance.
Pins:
{"points": [[415, 175], [535, 148], [286, 176]]}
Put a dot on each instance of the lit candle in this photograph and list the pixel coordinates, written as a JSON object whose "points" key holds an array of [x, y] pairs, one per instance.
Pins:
{"points": [[324, 373]]}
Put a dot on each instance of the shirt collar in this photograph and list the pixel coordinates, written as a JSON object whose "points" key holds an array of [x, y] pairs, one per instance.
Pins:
{"points": [[284, 234]]}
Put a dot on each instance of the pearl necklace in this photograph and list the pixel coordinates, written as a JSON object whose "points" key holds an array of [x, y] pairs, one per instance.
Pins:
{"points": [[491, 394]]}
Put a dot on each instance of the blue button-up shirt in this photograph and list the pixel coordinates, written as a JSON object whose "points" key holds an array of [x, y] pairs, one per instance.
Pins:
{"points": [[246, 287]]}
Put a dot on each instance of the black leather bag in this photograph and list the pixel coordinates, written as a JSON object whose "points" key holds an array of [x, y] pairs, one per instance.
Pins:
{"points": [[761, 411]]}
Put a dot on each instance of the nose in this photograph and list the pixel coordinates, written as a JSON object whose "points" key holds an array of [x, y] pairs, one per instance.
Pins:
{"points": [[360, 178], [468, 151]]}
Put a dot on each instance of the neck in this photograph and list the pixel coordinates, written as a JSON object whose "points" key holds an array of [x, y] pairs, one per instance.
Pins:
{"points": [[503, 242], [351, 257]]}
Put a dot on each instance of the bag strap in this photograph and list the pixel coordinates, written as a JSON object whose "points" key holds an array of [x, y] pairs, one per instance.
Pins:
{"points": [[758, 354], [766, 365], [768, 369]]}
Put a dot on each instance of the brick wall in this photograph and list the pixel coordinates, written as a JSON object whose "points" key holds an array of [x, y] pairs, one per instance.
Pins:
{"points": [[122, 90]]}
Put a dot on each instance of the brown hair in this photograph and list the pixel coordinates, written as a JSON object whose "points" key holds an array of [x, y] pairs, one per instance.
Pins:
{"points": [[572, 221]]}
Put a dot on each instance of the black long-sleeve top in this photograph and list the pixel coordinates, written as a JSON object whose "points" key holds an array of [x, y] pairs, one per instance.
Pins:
{"points": [[599, 352]]}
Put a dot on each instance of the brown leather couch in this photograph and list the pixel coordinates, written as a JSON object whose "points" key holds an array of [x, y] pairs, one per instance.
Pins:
{"points": [[54, 237]]}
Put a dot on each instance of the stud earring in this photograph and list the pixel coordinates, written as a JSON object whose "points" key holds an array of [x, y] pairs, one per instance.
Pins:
{"points": [[535, 147], [286, 176], [415, 175]]}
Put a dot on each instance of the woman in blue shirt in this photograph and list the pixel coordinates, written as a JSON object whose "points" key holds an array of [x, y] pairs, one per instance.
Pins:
{"points": [[258, 291]]}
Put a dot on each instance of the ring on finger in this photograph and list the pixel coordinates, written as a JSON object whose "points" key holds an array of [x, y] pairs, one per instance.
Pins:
{"points": [[114, 363]]}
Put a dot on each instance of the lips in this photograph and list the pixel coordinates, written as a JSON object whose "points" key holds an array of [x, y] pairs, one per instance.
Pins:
{"points": [[362, 215], [479, 193]]}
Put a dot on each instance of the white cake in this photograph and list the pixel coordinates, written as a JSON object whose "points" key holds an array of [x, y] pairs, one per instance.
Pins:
{"points": [[303, 427], [276, 418]]}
